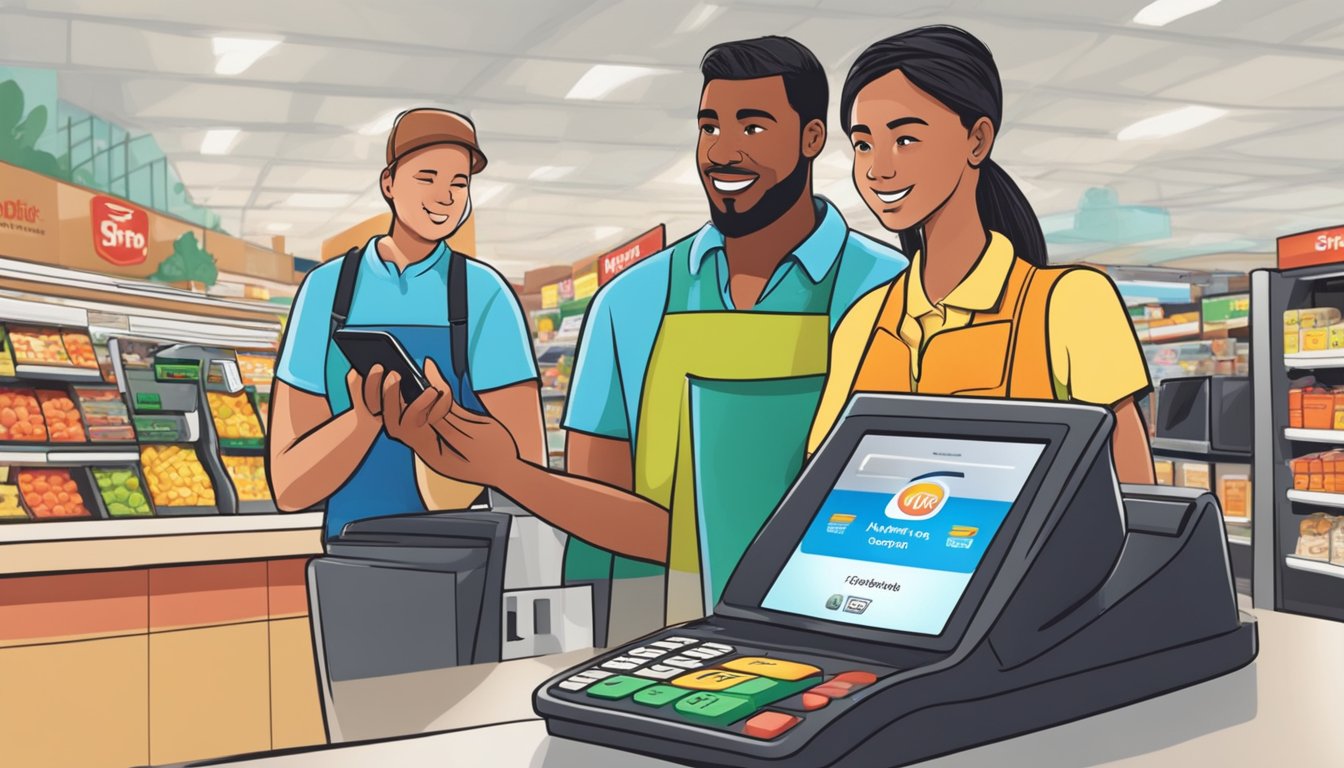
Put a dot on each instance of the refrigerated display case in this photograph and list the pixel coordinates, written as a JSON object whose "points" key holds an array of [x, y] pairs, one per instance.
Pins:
{"points": [[1296, 570]]}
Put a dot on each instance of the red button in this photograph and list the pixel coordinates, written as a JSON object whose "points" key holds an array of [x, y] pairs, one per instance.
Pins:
{"points": [[832, 691], [854, 678], [813, 701], [769, 725]]}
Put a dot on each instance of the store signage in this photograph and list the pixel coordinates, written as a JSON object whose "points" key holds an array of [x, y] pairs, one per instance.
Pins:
{"points": [[120, 231], [1308, 249], [566, 290], [585, 285], [550, 296], [623, 257], [20, 215]]}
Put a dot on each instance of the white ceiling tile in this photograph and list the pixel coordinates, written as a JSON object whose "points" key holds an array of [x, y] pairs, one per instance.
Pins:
{"points": [[149, 98], [33, 40], [123, 46], [205, 174], [1259, 82], [287, 176]]}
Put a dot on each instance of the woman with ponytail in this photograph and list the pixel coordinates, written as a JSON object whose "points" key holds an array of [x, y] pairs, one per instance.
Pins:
{"points": [[978, 313]]}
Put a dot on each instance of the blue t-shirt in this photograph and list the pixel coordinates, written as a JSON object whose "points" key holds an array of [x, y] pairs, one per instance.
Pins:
{"points": [[623, 321], [499, 345]]}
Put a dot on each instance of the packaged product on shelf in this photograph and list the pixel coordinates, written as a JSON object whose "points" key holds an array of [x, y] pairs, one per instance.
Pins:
{"points": [[249, 477], [38, 346], [21, 416], [6, 356], [122, 493], [79, 347], [1295, 407], [1314, 340], [1313, 537], [1290, 320], [1234, 493], [1165, 471], [176, 477], [1316, 471], [1301, 473], [234, 416], [105, 415], [1195, 474], [10, 509], [1292, 342], [1317, 317], [64, 424], [1318, 408], [1337, 541], [257, 370], [1332, 471], [52, 494]]}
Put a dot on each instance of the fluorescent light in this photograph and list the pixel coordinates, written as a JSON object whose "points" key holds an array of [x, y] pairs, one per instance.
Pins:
{"points": [[219, 141], [1162, 12], [318, 200], [550, 172], [382, 124], [483, 192], [602, 79], [700, 15], [233, 55], [1170, 123], [278, 227]]}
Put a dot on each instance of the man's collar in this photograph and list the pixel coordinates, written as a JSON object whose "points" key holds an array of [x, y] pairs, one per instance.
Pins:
{"points": [[817, 253], [374, 260]]}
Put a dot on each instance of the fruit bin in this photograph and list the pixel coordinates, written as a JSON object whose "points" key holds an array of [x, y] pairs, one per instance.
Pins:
{"points": [[236, 420], [169, 470], [38, 346], [65, 422], [21, 416], [11, 507], [123, 491], [54, 494], [248, 474], [106, 418]]}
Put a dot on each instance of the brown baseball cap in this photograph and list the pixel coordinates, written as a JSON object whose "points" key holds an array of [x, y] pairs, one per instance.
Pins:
{"points": [[420, 128]]}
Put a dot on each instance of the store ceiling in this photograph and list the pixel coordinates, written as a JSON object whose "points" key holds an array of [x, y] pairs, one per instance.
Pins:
{"points": [[569, 177]]}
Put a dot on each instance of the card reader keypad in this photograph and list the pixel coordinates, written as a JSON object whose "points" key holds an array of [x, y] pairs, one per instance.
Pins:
{"points": [[757, 693]]}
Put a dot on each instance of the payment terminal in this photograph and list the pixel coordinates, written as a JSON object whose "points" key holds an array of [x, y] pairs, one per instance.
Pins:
{"points": [[946, 572]]}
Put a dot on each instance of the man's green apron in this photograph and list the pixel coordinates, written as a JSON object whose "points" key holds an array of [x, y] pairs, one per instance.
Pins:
{"points": [[727, 402]]}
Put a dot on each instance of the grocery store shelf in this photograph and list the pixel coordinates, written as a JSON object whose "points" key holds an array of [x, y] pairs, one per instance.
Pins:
{"points": [[57, 373], [1331, 436], [1237, 520], [1240, 541], [1326, 358], [1197, 450], [67, 455], [1314, 566], [39, 547], [550, 393], [1319, 498]]}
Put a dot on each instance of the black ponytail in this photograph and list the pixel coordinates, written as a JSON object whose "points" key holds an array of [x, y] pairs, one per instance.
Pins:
{"points": [[954, 67]]}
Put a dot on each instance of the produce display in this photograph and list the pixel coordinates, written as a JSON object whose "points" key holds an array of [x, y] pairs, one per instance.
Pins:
{"points": [[257, 370], [234, 416], [51, 494], [21, 416], [10, 508], [38, 346], [176, 477], [64, 424], [105, 415], [79, 347], [249, 477], [121, 491], [6, 358]]}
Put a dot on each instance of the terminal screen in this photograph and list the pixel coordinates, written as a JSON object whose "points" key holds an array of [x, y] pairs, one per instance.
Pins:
{"points": [[900, 535]]}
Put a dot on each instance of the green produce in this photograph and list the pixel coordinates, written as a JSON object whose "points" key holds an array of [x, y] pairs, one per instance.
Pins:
{"points": [[120, 489]]}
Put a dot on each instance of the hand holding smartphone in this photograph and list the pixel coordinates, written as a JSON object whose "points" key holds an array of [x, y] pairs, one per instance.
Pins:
{"points": [[365, 349]]}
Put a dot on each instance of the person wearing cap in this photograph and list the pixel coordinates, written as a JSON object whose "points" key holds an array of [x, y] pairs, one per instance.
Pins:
{"points": [[327, 441]]}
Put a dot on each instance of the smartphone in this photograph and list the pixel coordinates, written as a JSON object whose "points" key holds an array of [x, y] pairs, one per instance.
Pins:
{"points": [[365, 349]]}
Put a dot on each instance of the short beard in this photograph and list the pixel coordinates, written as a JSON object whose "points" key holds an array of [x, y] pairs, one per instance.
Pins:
{"points": [[774, 203]]}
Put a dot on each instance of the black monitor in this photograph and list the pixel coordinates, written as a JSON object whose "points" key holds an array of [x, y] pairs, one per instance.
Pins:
{"points": [[906, 516]]}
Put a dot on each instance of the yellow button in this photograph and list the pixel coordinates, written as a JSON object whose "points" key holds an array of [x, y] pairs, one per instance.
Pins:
{"points": [[772, 668], [711, 680]]}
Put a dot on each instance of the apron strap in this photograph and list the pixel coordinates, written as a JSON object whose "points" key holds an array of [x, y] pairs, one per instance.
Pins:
{"points": [[457, 311], [345, 289]]}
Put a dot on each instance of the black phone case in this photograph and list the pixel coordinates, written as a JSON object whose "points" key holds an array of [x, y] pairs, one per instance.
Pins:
{"points": [[365, 349]]}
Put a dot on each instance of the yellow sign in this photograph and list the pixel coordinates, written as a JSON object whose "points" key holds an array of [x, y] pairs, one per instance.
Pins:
{"points": [[585, 286], [550, 296]]}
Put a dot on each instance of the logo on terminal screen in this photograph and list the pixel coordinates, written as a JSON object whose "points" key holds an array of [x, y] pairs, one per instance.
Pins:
{"points": [[919, 500]]}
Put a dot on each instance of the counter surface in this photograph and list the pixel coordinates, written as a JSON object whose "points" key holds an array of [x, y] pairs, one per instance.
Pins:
{"points": [[1280, 710]]}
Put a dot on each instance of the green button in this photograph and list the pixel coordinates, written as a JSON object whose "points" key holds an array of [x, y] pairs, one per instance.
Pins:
{"points": [[714, 708], [763, 690], [618, 687], [659, 695]]}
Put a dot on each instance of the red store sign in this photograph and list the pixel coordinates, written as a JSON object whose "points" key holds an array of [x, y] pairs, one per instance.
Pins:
{"points": [[619, 259], [120, 231], [1308, 249]]}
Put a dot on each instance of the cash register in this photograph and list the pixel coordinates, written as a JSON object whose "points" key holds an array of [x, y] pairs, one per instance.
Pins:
{"points": [[945, 572]]}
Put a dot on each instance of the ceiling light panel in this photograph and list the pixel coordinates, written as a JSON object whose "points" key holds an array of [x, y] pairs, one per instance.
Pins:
{"points": [[234, 55], [1170, 123], [219, 141]]}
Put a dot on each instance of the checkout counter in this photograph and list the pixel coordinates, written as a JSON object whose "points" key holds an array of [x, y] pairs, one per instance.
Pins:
{"points": [[1083, 623]]}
